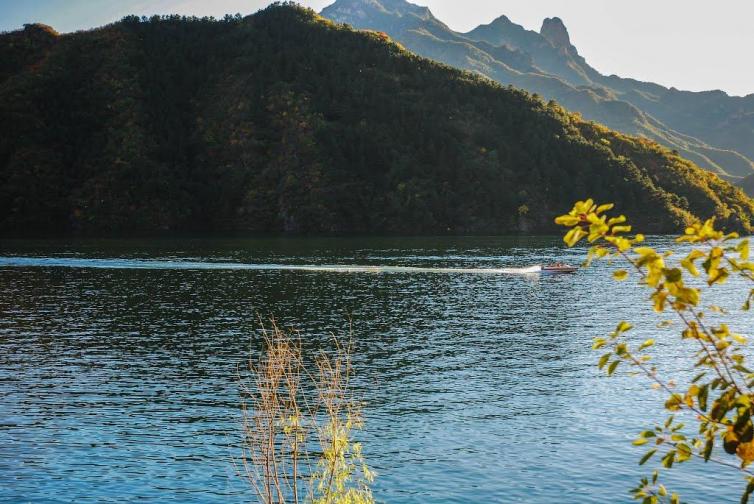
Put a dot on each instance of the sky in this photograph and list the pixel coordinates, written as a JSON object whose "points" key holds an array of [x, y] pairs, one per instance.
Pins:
{"points": [[695, 45]]}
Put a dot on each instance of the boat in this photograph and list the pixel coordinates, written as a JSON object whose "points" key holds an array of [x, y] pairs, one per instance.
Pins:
{"points": [[559, 268]]}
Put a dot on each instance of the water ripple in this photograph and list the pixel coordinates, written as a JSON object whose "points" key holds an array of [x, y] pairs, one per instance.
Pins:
{"points": [[118, 376]]}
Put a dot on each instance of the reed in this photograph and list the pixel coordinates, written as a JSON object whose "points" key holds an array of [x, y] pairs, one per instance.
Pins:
{"points": [[299, 422]]}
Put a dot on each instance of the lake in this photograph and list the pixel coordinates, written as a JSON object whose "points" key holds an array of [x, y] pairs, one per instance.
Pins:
{"points": [[119, 359]]}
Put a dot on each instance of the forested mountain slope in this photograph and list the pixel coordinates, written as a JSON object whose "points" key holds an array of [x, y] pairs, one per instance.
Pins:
{"points": [[284, 121], [713, 129], [747, 185]]}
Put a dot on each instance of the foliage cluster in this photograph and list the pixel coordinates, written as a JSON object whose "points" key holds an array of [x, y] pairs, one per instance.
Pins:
{"points": [[747, 185], [284, 121], [719, 399]]}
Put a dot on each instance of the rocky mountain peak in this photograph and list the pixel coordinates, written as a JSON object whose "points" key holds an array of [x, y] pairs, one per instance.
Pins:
{"points": [[350, 10], [555, 32], [501, 20]]}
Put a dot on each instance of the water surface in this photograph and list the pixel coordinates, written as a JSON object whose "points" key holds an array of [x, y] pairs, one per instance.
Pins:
{"points": [[118, 367]]}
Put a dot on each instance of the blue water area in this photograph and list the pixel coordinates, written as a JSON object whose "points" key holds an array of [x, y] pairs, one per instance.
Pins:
{"points": [[119, 367]]}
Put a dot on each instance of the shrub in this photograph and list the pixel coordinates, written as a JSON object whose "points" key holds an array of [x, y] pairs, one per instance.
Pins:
{"points": [[298, 426]]}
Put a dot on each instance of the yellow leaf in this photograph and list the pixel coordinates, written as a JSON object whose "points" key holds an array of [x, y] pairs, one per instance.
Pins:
{"points": [[717, 275], [573, 236], [623, 326], [740, 339], [567, 220], [659, 299], [620, 275], [690, 267], [743, 250], [647, 344], [745, 452], [604, 208], [645, 251]]}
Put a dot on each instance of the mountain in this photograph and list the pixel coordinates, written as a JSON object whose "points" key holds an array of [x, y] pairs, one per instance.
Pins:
{"points": [[713, 129], [747, 185], [284, 121]]}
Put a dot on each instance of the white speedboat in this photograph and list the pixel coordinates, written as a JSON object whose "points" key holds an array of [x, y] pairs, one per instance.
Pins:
{"points": [[559, 268]]}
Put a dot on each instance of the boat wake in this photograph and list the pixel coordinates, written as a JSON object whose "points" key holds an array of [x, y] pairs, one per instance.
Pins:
{"points": [[145, 264]]}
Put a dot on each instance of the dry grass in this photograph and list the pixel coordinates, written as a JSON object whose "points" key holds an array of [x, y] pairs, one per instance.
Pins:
{"points": [[298, 425]]}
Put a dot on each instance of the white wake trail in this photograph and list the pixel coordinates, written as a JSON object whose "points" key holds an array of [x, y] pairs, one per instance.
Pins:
{"points": [[144, 264]]}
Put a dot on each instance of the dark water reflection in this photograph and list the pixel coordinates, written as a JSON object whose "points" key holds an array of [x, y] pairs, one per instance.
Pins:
{"points": [[120, 384]]}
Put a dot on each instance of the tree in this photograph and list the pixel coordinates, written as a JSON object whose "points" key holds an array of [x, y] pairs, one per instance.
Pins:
{"points": [[720, 398]]}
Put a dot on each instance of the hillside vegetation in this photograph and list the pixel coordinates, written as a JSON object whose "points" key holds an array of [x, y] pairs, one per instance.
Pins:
{"points": [[747, 185], [714, 130], [284, 121]]}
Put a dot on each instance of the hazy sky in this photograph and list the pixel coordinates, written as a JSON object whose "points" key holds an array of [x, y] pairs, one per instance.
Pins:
{"points": [[690, 44]]}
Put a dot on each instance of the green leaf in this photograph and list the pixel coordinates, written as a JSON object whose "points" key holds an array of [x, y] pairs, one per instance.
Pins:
{"points": [[611, 368], [747, 304], [699, 377], [708, 449], [647, 456], [668, 459], [673, 275], [702, 396], [684, 452], [749, 490], [603, 360]]}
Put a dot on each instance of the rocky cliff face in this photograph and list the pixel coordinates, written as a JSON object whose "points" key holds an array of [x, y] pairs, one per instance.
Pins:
{"points": [[555, 32]]}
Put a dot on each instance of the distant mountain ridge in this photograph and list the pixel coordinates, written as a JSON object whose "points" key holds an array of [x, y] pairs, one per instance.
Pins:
{"points": [[711, 128]]}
